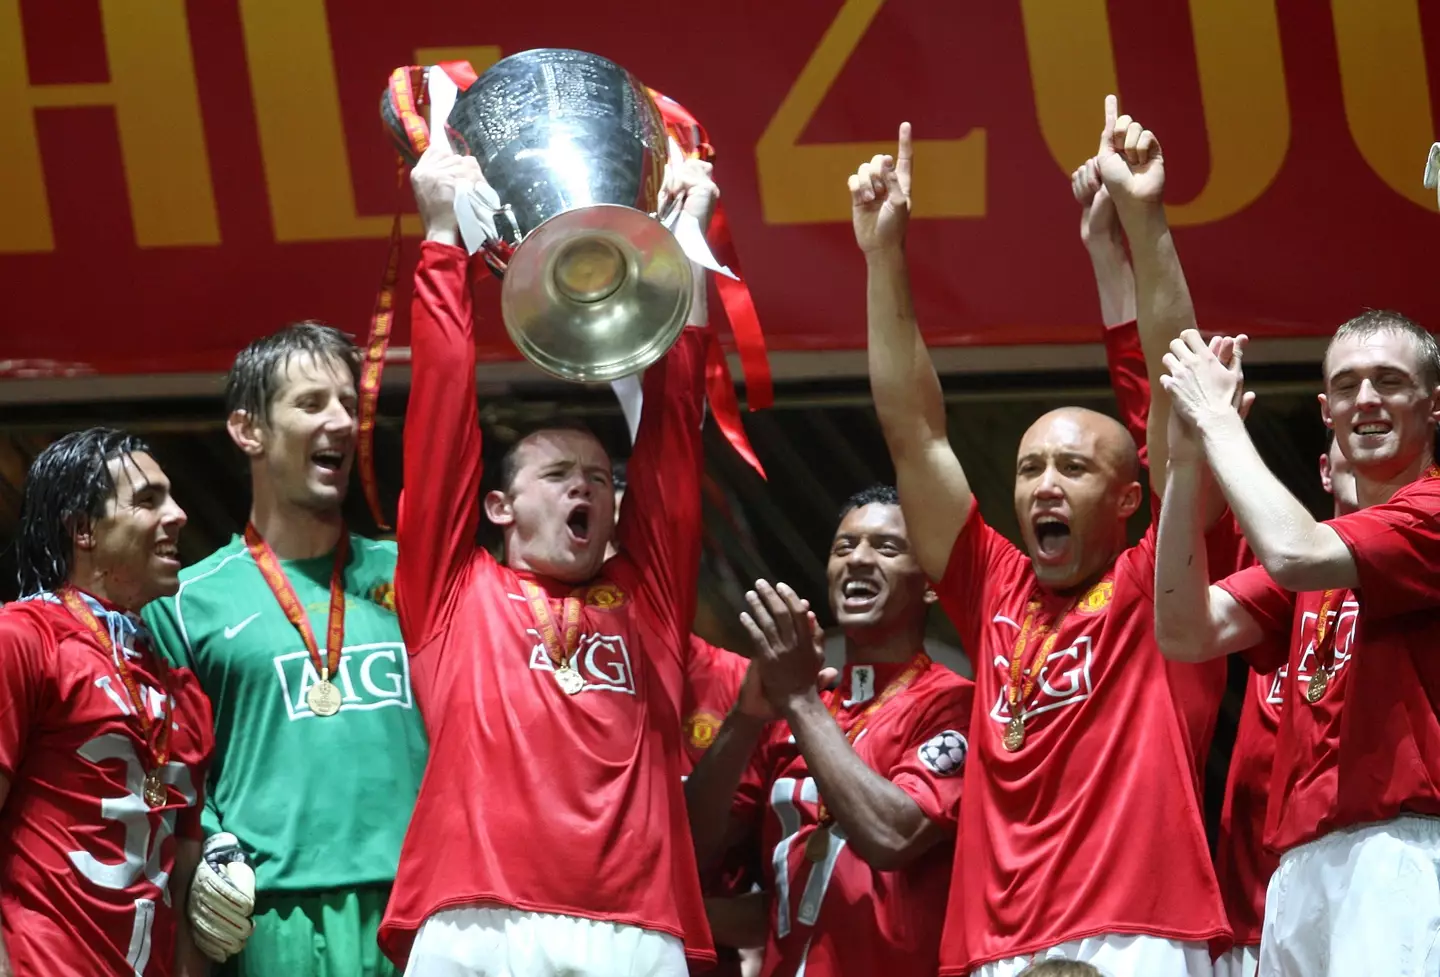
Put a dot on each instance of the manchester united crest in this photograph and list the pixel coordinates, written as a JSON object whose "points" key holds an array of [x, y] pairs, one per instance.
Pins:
{"points": [[700, 729], [605, 596], [384, 595], [1097, 597]]}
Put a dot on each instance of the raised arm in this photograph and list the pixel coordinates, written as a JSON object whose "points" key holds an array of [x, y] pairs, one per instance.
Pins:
{"points": [[1100, 233], [1132, 167], [1194, 620], [440, 503], [934, 492], [660, 524], [1298, 552]]}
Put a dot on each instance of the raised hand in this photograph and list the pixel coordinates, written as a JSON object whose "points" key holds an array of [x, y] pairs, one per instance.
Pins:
{"points": [[693, 181], [1205, 380], [435, 180], [1098, 221], [788, 642], [1130, 161], [880, 198]]}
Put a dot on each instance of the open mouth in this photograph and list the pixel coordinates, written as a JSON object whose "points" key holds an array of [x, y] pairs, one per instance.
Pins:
{"points": [[578, 524], [168, 550], [1373, 428], [1052, 536], [859, 595], [328, 460]]}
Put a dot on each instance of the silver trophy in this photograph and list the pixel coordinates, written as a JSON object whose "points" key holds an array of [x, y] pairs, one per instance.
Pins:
{"points": [[595, 287]]}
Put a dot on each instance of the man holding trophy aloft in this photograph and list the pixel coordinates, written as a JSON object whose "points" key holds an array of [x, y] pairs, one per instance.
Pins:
{"points": [[550, 834]]}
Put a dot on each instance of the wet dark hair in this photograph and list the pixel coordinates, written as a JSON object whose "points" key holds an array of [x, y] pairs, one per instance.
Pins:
{"points": [[66, 488], [874, 495], [1374, 321], [510, 462], [259, 369]]}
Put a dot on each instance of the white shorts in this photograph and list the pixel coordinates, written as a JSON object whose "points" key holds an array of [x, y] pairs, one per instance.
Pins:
{"points": [[1115, 955], [1238, 961], [496, 941], [1359, 901]]}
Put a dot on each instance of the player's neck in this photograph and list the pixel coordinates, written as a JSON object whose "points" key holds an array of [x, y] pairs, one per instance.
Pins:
{"points": [[87, 577], [1377, 490], [865, 647], [294, 532]]}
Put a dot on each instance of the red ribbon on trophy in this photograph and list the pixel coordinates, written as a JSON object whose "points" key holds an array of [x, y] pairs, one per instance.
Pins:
{"points": [[734, 298]]}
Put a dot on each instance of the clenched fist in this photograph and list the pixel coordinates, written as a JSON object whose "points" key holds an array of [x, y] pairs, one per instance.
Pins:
{"points": [[435, 179]]}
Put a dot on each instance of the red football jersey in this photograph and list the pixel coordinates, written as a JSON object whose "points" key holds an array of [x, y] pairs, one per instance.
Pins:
{"points": [[839, 915], [85, 863], [713, 677], [535, 799], [1198, 687], [1243, 865], [1093, 826], [1369, 749]]}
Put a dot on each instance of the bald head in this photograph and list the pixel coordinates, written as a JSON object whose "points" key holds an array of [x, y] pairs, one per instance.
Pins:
{"points": [[1105, 437], [1076, 484]]}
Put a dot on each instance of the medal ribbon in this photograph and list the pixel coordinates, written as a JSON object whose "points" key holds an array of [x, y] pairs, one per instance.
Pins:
{"points": [[279, 584], [1324, 634], [406, 93], [157, 743], [1015, 692], [545, 623], [894, 687]]}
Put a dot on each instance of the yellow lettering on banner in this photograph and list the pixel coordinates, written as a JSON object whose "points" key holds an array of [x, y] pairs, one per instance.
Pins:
{"points": [[1072, 69], [297, 112], [1247, 114], [162, 140], [1242, 89], [1387, 94], [802, 184], [302, 135]]}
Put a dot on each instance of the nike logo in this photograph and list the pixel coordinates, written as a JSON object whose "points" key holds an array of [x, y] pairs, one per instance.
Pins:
{"points": [[233, 631]]}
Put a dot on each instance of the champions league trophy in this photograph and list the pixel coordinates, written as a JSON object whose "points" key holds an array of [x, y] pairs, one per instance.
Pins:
{"points": [[573, 149]]}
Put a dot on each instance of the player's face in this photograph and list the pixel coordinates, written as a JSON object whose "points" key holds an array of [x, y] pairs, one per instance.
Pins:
{"points": [[1072, 497], [1377, 402], [875, 582], [559, 515], [134, 544], [309, 442], [1338, 478]]}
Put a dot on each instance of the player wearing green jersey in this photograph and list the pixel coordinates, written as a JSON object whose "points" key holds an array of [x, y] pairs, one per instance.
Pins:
{"points": [[291, 630]]}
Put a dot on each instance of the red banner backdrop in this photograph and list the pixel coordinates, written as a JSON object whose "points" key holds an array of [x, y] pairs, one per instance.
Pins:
{"points": [[179, 178]]}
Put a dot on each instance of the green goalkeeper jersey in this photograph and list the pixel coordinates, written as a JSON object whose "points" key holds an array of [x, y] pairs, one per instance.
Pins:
{"points": [[320, 802]]}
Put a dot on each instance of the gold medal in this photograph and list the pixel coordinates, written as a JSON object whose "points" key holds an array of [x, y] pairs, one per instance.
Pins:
{"points": [[569, 680], [817, 846], [1319, 682], [155, 793], [1014, 733], [323, 698]]}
